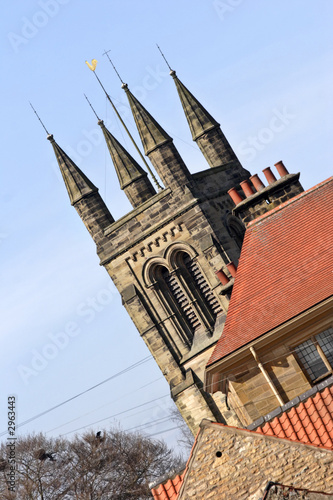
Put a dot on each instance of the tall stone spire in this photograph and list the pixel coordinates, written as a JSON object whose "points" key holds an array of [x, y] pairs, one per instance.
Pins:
{"points": [[78, 185], [206, 131], [132, 178], [83, 196], [151, 133], [158, 146]]}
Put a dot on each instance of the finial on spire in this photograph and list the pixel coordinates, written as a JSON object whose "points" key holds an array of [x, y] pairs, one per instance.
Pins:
{"points": [[172, 72], [106, 53], [39, 119], [91, 107], [128, 132]]}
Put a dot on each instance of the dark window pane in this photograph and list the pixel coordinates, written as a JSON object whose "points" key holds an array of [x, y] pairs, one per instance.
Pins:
{"points": [[311, 360], [325, 340]]}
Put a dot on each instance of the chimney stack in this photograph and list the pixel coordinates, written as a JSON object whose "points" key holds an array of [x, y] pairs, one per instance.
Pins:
{"points": [[256, 181], [247, 188], [281, 169], [232, 269], [235, 196], [269, 175], [222, 277]]}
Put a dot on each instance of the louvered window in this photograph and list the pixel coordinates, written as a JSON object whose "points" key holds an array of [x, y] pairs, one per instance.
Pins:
{"points": [[202, 286], [181, 300]]}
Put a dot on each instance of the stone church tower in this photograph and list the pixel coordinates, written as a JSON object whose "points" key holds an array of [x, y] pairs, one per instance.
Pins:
{"points": [[174, 255]]}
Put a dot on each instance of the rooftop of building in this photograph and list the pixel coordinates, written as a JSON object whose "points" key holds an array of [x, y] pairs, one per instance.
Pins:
{"points": [[307, 419], [285, 268]]}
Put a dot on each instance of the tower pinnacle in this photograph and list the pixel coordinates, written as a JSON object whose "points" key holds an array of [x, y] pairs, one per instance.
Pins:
{"points": [[84, 196], [151, 133], [198, 118], [77, 184], [123, 123], [132, 178], [158, 146], [205, 130]]}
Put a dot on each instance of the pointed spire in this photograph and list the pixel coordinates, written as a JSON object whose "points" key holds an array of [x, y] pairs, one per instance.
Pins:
{"points": [[85, 197], [151, 133], [158, 146], [206, 131], [132, 178], [198, 118], [77, 184]]}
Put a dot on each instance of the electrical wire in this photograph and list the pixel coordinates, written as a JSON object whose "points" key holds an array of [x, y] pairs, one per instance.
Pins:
{"points": [[115, 415], [144, 360], [106, 404], [196, 408], [118, 374]]}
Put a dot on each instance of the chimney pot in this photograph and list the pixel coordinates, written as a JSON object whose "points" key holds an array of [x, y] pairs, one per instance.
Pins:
{"points": [[281, 168], [232, 269], [256, 181], [222, 277], [269, 175], [247, 188], [235, 196]]}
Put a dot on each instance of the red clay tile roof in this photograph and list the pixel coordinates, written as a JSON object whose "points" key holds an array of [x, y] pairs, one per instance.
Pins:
{"points": [[285, 268], [168, 490], [311, 422]]}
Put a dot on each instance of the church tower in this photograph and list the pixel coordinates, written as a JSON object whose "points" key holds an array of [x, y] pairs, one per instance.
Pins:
{"points": [[174, 256]]}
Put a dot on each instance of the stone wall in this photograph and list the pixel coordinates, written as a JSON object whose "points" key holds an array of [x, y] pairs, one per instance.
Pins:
{"points": [[229, 463], [189, 219], [250, 394]]}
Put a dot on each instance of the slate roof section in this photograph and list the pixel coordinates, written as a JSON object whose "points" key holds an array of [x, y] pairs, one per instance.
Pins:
{"points": [[285, 268]]}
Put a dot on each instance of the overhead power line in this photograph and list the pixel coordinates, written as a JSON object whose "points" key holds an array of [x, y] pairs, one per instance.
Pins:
{"points": [[118, 374], [115, 415]]}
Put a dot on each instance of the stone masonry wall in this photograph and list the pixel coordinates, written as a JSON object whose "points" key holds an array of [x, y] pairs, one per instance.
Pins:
{"points": [[180, 218], [229, 463], [250, 394]]}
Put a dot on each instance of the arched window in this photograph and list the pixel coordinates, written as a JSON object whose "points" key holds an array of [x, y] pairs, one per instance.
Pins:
{"points": [[181, 299], [183, 290], [177, 302], [202, 286], [236, 230]]}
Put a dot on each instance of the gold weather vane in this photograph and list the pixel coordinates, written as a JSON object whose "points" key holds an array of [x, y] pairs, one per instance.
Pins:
{"points": [[92, 66], [39, 118]]}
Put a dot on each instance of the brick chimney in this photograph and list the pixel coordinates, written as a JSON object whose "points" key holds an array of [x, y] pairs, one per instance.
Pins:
{"points": [[264, 198]]}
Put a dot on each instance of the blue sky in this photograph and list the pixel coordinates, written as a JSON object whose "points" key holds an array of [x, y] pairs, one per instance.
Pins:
{"points": [[262, 69]]}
